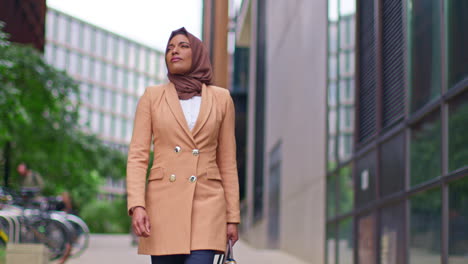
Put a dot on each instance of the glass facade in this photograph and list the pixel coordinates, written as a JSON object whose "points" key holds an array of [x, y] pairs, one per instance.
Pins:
{"points": [[397, 197], [113, 72]]}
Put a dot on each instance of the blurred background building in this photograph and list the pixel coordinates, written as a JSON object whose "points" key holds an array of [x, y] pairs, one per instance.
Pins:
{"points": [[113, 72], [356, 150]]}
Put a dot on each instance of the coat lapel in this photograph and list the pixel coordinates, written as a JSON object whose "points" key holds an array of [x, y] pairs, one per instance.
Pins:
{"points": [[172, 100], [205, 110]]}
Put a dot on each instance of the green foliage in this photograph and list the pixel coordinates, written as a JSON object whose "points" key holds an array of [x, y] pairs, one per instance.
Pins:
{"points": [[39, 120], [107, 217]]}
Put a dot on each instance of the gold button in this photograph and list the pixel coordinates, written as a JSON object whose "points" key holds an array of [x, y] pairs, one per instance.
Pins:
{"points": [[177, 149], [195, 152], [193, 178], [172, 178]]}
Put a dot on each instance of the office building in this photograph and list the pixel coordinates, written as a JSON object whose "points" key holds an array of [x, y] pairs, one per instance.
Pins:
{"points": [[357, 114], [112, 72]]}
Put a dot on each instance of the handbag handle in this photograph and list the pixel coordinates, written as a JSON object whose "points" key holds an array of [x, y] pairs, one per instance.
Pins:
{"points": [[229, 251], [229, 255]]}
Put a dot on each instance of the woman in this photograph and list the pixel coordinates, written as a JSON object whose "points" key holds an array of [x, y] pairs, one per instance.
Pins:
{"points": [[189, 207]]}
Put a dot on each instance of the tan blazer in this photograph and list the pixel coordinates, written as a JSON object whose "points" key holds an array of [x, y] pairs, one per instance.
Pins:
{"points": [[192, 191]]}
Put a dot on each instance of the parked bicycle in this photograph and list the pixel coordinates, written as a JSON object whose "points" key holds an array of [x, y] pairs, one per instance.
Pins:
{"points": [[29, 219]]}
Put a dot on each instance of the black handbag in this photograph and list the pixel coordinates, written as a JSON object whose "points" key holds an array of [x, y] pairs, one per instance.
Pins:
{"points": [[228, 257]]}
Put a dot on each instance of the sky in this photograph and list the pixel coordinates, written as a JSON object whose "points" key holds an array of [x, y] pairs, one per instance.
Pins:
{"points": [[146, 21]]}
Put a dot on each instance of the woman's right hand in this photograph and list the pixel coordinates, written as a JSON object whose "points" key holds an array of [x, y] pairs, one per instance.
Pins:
{"points": [[140, 222]]}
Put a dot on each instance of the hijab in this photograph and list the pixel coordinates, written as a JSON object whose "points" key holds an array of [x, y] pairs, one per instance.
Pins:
{"points": [[190, 84]]}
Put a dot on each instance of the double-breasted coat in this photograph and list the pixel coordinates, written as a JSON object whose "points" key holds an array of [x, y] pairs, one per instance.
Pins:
{"points": [[192, 191]]}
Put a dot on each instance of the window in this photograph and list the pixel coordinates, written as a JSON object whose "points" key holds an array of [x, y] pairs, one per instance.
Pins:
{"points": [[346, 190], [49, 53], [457, 23], [112, 131], [120, 78], [85, 69], [102, 98], [458, 136], [96, 96], [84, 92], [72, 63], [51, 24], [162, 68], [392, 169], [107, 125], [124, 103], [425, 157], [365, 179], [458, 228], [331, 196], [110, 47], [366, 239], [123, 129], [345, 242], [141, 83], [98, 70], [100, 48], [425, 51], [122, 51], [109, 98], [142, 59], [110, 78], [61, 58], [332, 69], [129, 130], [332, 93], [152, 63], [87, 38], [101, 123], [425, 227], [131, 55], [62, 24], [118, 104], [75, 33], [131, 81], [392, 250], [118, 128]]}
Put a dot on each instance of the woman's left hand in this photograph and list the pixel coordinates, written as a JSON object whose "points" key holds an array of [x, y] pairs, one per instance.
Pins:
{"points": [[232, 233]]}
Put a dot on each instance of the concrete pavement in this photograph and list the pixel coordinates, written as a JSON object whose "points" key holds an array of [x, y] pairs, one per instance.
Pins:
{"points": [[116, 249]]}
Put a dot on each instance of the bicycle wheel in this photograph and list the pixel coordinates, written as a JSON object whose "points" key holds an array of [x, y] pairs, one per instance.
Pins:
{"points": [[54, 234], [80, 241]]}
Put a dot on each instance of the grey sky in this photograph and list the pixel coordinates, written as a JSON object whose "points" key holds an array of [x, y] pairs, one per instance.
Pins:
{"points": [[147, 21]]}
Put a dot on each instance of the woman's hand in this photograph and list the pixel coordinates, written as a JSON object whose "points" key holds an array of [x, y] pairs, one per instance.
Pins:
{"points": [[232, 233], [140, 222]]}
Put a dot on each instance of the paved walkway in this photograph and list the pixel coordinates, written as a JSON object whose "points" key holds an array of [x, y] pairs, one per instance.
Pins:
{"points": [[116, 249]]}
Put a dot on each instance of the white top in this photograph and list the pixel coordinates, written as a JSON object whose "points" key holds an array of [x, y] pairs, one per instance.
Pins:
{"points": [[191, 108]]}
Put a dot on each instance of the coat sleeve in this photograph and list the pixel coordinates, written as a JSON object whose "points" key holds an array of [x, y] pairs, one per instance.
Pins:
{"points": [[226, 160], [138, 153]]}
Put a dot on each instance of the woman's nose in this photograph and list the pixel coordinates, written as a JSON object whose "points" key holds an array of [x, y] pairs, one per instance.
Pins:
{"points": [[175, 51]]}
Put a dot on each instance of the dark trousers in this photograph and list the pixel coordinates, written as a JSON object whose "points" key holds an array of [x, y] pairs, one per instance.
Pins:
{"points": [[195, 257]]}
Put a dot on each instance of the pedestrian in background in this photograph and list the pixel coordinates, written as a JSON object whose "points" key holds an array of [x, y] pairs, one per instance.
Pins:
{"points": [[189, 207], [29, 178]]}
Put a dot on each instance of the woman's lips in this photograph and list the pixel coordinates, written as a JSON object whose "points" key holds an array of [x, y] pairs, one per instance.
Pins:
{"points": [[176, 59]]}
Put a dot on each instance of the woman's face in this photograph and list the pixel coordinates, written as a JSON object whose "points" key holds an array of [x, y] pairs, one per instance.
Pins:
{"points": [[179, 55]]}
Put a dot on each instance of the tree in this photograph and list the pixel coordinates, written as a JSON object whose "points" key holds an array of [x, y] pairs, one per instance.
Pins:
{"points": [[39, 125]]}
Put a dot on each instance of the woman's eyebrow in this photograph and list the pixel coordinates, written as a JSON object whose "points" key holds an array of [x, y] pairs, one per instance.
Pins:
{"points": [[184, 42]]}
